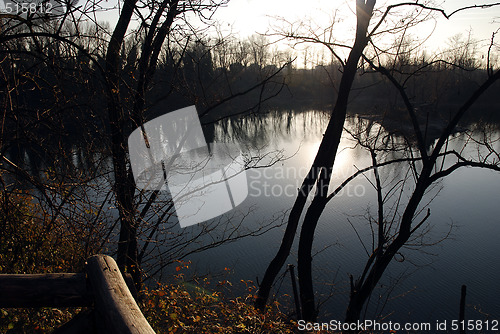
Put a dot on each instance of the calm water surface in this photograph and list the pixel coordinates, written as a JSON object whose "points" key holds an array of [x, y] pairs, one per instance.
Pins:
{"points": [[423, 287]]}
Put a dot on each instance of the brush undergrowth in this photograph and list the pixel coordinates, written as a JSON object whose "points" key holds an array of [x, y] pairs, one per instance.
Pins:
{"points": [[32, 242]]}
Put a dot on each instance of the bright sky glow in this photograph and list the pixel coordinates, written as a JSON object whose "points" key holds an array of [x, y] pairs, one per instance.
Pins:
{"points": [[247, 17]]}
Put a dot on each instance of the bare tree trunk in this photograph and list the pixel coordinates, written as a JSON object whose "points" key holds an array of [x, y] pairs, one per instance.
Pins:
{"points": [[332, 136], [324, 158], [286, 244], [123, 182]]}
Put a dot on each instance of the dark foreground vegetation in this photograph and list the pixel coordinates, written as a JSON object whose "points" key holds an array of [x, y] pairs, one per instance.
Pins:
{"points": [[31, 243]]}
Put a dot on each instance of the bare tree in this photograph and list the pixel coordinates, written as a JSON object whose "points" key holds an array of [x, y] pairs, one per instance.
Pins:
{"points": [[117, 69], [320, 171], [435, 164], [387, 246]]}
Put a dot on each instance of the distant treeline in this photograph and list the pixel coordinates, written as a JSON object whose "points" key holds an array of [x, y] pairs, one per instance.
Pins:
{"points": [[53, 92]]}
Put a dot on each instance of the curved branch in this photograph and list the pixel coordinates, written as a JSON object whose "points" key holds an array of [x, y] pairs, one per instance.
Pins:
{"points": [[460, 164], [439, 10]]}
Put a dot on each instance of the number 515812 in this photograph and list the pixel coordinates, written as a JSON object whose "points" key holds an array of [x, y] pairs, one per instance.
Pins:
{"points": [[28, 7], [474, 325]]}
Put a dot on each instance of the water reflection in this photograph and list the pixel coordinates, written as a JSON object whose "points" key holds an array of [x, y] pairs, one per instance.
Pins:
{"points": [[344, 226], [428, 281], [264, 129]]}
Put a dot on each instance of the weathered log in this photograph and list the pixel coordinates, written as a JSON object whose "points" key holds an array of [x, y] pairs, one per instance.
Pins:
{"points": [[114, 304], [44, 290]]}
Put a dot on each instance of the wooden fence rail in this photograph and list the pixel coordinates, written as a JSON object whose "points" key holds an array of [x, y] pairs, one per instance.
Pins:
{"points": [[102, 287]]}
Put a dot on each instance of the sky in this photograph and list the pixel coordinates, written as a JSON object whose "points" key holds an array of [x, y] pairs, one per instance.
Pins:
{"points": [[247, 17]]}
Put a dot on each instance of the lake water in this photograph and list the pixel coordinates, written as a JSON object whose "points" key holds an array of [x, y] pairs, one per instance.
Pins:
{"points": [[423, 287]]}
